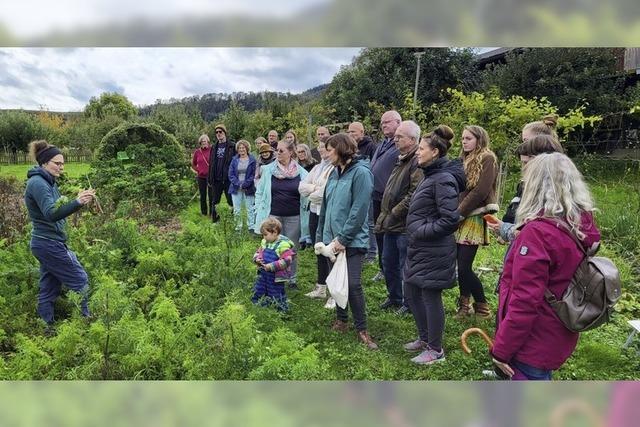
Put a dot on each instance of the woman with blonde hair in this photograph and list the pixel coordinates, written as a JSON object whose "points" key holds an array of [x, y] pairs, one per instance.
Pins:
{"points": [[304, 157], [478, 199], [531, 341], [242, 171]]}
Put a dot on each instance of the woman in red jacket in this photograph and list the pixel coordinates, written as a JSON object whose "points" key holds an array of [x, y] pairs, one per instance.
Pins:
{"points": [[531, 341], [200, 166]]}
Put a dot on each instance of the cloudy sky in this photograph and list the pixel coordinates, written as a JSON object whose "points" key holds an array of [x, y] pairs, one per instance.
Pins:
{"points": [[65, 79]]}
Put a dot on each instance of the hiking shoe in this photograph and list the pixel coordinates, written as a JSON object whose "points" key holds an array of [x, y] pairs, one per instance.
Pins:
{"points": [[417, 345], [429, 357], [366, 339], [331, 303], [339, 326], [319, 292], [379, 276]]}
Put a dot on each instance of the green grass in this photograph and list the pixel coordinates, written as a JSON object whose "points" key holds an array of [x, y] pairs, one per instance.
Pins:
{"points": [[72, 170], [187, 266]]}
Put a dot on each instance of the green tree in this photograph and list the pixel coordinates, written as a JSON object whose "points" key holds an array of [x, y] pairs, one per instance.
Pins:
{"points": [[568, 77], [182, 122], [110, 103], [384, 75], [18, 129]]}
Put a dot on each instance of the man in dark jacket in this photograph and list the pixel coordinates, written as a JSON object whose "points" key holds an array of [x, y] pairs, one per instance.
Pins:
{"points": [[402, 182], [366, 146], [219, 161], [382, 163], [366, 149]]}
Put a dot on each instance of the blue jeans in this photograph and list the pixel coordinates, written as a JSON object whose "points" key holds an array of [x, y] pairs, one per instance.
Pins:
{"points": [[524, 372], [58, 266], [394, 254], [249, 202]]}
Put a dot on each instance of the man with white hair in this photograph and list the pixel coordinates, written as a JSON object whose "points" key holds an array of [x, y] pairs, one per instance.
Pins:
{"points": [[382, 163], [394, 208]]}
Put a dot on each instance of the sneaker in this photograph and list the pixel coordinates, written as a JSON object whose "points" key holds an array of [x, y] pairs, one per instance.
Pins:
{"points": [[388, 304], [417, 345], [331, 303], [402, 311], [339, 326], [429, 357], [379, 276], [319, 292]]}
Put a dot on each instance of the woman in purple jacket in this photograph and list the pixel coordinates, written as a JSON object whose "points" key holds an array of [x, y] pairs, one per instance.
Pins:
{"points": [[242, 171], [531, 341]]}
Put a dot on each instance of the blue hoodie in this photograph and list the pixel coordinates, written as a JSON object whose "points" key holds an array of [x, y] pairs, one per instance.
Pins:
{"points": [[40, 197]]}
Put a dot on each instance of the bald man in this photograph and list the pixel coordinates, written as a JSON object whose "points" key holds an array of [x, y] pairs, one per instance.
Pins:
{"points": [[366, 146], [382, 163]]}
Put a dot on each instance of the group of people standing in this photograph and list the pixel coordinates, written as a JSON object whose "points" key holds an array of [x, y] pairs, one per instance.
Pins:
{"points": [[423, 213], [427, 214]]}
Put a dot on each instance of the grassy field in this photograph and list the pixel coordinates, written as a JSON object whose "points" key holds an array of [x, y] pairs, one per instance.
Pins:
{"points": [[173, 302], [72, 170]]}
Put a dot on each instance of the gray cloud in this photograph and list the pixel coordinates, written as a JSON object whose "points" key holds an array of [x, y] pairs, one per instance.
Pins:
{"points": [[65, 79]]}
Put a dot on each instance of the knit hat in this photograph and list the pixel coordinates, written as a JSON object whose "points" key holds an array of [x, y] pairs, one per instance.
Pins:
{"points": [[264, 148], [221, 126]]}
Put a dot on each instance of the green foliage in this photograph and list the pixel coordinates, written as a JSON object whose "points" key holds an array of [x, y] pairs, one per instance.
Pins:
{"points": [[13, 216], [283, 355], [110, 104], [568, 77], [156, 176], [18, 129], [386, 74], [184, 124], [503, 118]]}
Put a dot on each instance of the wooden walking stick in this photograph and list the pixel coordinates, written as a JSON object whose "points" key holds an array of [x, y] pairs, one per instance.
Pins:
{"points": [[470, 331], [574, 407]]}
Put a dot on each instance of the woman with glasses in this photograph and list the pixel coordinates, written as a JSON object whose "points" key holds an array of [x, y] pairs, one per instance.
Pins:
{"points": [[304, 157], [47, 211], [277, 195]]}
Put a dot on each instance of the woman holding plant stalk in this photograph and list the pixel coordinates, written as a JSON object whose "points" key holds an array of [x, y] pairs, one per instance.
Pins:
{"points": [[48, 210]]}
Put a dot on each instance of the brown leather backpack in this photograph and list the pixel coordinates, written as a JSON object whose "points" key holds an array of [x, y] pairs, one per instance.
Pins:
{"points": [[594, 290]]}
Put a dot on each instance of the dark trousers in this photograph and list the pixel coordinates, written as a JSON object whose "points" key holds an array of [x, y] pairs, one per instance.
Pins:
{"points": [[355, 257], [58, 266], [469, 282], [217, 188], [322, 261], [205, 192], [428, 312], [393, 258], [377, 207]]}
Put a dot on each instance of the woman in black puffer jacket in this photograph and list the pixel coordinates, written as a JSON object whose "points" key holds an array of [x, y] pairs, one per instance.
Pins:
{"points": [[431, 254]]}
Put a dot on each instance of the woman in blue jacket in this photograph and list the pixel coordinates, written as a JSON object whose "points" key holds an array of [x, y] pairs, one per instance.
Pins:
{"points": [[242, 172], [343, 221], [47, 211]]}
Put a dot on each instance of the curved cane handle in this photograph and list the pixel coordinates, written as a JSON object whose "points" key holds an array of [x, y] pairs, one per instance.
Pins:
{"points": [[573, 407], [465, 335]]}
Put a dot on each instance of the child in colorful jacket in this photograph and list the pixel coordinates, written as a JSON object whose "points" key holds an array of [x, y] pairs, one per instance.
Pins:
{"points": [[274, 258]]}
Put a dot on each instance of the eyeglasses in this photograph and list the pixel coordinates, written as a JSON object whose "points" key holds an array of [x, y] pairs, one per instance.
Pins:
{"points": [[300, 152], [219, 131], [59, 164]]}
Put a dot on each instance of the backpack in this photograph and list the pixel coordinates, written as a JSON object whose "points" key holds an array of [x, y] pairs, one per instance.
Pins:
{"points": [[593, 291]]}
